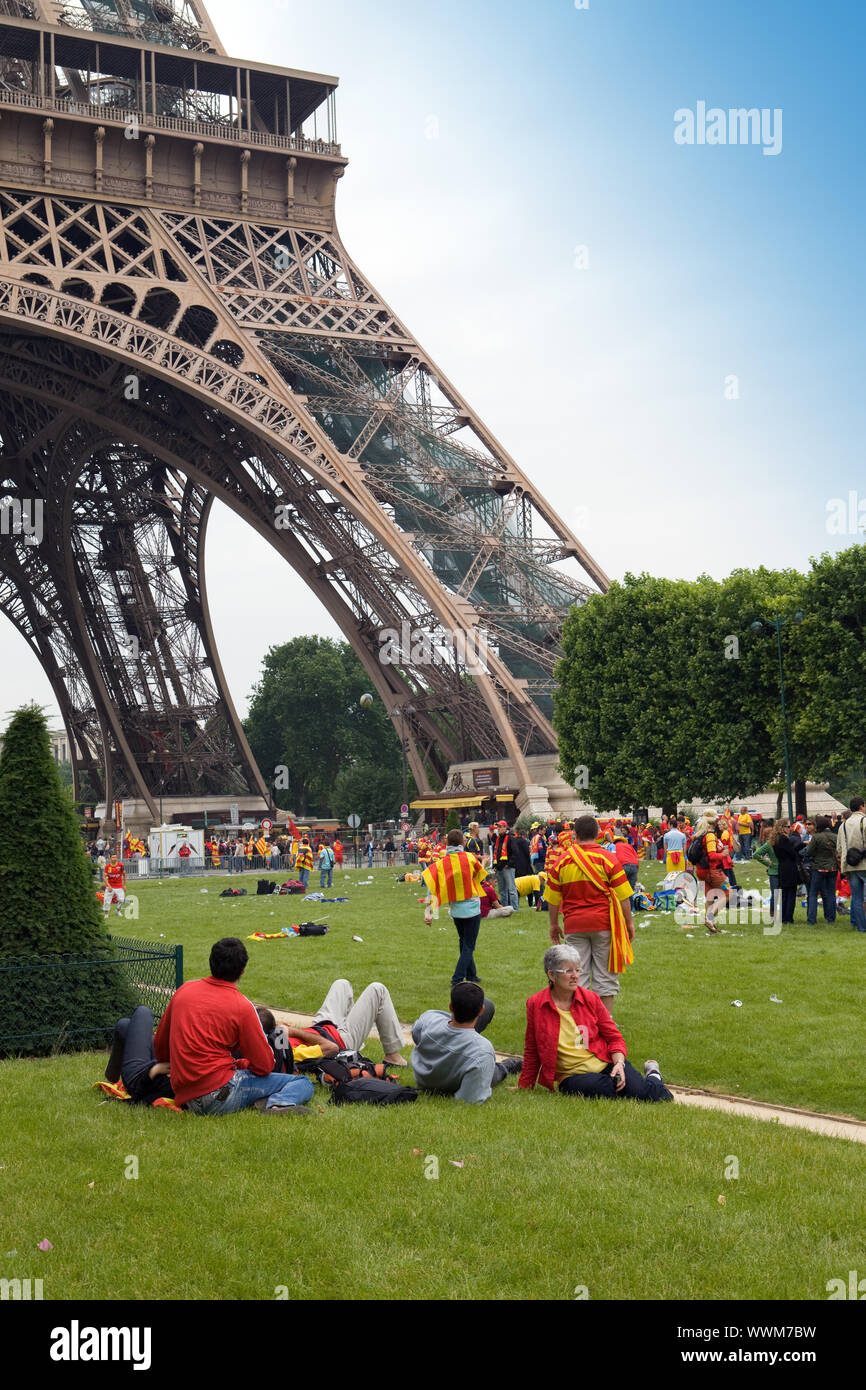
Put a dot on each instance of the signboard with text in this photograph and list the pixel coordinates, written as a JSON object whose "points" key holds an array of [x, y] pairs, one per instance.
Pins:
{"points": [[483, 777]]}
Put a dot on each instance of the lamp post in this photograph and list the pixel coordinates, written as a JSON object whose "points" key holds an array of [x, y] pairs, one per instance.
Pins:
{"points": [[778, 622]]}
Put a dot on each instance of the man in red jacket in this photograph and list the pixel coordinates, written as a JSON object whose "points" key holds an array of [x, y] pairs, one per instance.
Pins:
{"points": [[573, 1045], [204, 1020]]}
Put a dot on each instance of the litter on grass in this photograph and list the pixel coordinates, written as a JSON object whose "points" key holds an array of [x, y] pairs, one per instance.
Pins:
{"points": [[737, 1003], [358, 938], [774, 999]]}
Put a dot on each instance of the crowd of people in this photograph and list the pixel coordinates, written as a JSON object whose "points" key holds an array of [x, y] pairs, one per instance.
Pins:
{"points": [[214, 1053]]}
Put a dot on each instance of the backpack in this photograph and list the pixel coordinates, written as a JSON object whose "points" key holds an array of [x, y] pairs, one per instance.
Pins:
{"points": [[312, 928], [233, 893], [356, 1080], [292, 885], [265, 886], [696, 852]]}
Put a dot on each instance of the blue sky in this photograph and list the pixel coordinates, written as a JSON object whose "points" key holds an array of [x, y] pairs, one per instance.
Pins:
{"points": [[487, 141]]}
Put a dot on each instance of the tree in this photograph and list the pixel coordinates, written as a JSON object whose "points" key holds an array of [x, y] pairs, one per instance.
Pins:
{"points": [[370, 791], [452, 821], [47, 899], [306, 717], [666, 693], [830, 721], [48, 904]]}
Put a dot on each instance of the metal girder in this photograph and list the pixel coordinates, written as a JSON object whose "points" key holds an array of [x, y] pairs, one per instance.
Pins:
{"points": [[272, 375]]}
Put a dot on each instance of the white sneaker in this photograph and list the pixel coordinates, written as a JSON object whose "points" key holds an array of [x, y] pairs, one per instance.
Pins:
{"points": [[651, 1068]]}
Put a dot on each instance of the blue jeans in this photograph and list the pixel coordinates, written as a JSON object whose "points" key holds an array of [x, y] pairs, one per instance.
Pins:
{"points": [[774, 889], [245, 1088], [856, 879], [825, 880], [326, 877], [746, 846], [303, 876], [506, 890], [467, 933]]}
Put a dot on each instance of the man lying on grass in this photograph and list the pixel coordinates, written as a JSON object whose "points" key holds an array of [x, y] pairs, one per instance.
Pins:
{"points": [[342, 1024], [572, 1043], [204, 1021], [450, 1056]]}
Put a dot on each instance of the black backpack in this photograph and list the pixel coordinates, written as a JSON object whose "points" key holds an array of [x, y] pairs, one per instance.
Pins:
{"points": [[357, 1080], [233, 893], [312, 929], [696, 852], [265, 886]]}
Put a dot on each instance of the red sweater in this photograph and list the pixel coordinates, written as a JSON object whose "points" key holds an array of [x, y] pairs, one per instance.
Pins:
{"points": [[542, 1034], [204, 1020]]}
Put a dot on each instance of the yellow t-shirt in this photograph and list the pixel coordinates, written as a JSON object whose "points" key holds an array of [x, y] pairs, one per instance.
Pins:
{"points": [[571, 1056], [528, 883], [745, 824]]}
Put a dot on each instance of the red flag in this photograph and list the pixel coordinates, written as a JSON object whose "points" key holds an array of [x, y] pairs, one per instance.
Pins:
{"points": [[293, 829]]}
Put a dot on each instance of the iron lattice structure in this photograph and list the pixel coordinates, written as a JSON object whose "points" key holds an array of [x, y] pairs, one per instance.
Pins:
{"points": [[181, 322]]}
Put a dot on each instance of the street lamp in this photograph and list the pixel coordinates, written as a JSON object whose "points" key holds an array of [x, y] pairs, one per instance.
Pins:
{"points": [[778, 622]]}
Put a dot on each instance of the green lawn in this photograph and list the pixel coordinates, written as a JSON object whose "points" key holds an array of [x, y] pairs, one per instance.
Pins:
{"points": [[552, 1195], [675, 1002]]}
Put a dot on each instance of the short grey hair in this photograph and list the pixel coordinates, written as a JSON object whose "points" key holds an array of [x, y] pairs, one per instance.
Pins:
{"points": [[555, 957]]}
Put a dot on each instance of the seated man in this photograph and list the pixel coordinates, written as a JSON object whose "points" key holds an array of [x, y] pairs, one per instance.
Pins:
{"points": [[204, 1021], [132, 1060], [451, 1057], [490, 904], [341, 1025]]}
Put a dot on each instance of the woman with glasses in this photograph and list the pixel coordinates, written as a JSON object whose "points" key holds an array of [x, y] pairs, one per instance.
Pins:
{"points": [[573, 1045]]}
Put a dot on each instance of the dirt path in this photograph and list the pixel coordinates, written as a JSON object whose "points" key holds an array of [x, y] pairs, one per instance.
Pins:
{"points": [[836, 1126]]}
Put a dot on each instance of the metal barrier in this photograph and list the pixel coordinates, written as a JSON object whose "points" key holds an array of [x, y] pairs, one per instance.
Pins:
{"points": [[70, 1002], [197, 865]]}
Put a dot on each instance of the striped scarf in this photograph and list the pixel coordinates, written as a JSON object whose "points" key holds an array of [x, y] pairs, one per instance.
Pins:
{"points": [[621, 952]]}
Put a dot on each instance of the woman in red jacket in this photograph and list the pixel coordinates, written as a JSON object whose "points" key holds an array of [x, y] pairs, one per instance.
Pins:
{"points": [[573, 1045]]}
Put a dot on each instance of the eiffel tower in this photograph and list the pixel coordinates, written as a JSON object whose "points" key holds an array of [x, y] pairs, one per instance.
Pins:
{"points": [[180, 321]]}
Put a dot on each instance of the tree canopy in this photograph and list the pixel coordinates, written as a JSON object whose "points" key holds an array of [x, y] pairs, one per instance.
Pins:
{"points": [[666, 691], [306, 717]]}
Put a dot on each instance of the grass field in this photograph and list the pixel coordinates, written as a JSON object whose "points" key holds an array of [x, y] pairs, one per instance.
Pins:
{"points": [[552, 1195]]}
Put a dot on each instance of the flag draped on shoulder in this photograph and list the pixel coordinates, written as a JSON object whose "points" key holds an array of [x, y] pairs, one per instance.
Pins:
{"points": [[454, 877], [621, 951]]}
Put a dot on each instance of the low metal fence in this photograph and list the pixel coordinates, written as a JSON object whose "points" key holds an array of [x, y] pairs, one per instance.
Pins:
{"points": [[70, 1002], [150, 867]]}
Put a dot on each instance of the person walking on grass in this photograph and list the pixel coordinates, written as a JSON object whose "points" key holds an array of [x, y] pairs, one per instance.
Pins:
{"points": [[456, 879], [114, 885], [787, 848], [851, 843], [766, 855], [709, 861], [304, 861], [589, 886], [202, 1024], [820, 854], [326, 867]]}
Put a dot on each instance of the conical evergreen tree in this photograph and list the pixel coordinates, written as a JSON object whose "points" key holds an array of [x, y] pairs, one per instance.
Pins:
{"points": [[47, 900], [48, 906]]}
